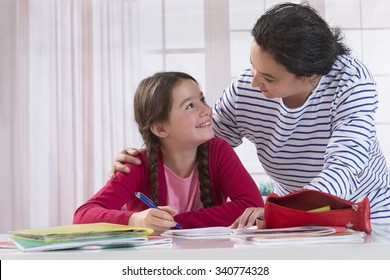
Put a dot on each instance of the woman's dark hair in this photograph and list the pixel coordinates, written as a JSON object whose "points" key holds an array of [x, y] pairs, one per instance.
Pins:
{"points": [[298, 38], [152, 105]]}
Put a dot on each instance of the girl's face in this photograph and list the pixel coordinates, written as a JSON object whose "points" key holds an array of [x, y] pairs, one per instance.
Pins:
{"points": [[274, 80], [189, 122]]}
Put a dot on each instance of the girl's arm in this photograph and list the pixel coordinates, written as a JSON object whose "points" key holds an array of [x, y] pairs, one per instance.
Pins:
{"points": [[106, 205]]}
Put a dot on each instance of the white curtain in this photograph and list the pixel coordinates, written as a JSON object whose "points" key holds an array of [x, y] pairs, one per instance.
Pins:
{"points": [[67, 74], [68, 71]]}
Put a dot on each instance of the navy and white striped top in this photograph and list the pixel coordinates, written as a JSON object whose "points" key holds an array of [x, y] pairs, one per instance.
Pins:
{"points": [[328, 144]]}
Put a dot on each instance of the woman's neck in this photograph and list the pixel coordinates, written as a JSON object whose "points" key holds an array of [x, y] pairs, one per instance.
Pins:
{"points": [[297, 100]]}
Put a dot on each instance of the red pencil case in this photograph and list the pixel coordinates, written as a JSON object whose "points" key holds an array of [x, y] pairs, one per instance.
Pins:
{"points": [[292, 210]]}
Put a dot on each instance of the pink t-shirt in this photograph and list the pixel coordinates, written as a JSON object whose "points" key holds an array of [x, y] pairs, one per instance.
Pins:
{"points": [[183, 193]]}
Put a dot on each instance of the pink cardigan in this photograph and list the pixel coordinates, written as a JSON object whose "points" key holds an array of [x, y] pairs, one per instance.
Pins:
{"points": [[229, 179]]}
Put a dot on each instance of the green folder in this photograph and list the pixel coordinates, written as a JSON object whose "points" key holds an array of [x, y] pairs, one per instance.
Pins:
{"points": [[80, 232], [29, 245]]}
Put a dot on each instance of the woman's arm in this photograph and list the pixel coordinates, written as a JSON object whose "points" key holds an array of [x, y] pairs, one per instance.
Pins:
{"points": [[224, 111], [352, 141]]}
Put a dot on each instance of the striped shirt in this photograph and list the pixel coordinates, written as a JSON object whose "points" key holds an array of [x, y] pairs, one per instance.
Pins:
{"points": [[328, 144]]}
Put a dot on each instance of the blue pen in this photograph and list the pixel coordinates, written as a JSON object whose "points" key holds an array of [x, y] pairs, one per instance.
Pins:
{"points": [[149, 203]]}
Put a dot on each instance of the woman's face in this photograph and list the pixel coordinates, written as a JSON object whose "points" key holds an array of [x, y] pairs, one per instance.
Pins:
{"points": [[274, 80]]}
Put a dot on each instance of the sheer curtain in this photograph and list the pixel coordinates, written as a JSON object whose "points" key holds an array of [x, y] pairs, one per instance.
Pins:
{"points": [[67, 71]]}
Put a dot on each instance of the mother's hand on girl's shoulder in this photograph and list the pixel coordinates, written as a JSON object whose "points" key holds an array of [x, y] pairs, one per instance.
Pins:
{"points": [[127, 155]]}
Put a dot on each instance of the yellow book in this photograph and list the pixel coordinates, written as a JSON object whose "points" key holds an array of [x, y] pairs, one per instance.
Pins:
{"points": [[81, 232]]}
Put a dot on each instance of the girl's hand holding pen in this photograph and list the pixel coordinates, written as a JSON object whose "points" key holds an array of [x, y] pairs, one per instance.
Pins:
{"points": [[151, 204], [159, 220]]}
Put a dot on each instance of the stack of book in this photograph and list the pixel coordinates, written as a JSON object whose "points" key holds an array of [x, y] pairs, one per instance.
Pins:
{"points": [[303, 234], [94, 235]]}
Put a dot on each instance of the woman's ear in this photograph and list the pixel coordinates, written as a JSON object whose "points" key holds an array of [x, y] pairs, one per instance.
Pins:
{"points": [[159, 130], [313, 79]]}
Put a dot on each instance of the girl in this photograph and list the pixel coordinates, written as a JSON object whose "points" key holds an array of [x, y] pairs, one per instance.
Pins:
{"points": [[183, 166]]}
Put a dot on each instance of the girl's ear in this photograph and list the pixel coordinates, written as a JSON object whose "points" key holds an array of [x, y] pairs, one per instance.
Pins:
{"points": [[159, 130]]}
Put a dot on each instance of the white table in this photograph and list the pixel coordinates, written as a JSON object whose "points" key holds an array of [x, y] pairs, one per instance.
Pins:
{"points": [[375, 247]]}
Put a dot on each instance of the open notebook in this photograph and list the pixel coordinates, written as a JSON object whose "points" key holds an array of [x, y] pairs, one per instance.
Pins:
{"points": [[199, 233]]}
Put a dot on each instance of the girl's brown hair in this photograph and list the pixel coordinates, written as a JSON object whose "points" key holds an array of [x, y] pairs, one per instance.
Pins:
{"points": [[152, 104]]}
